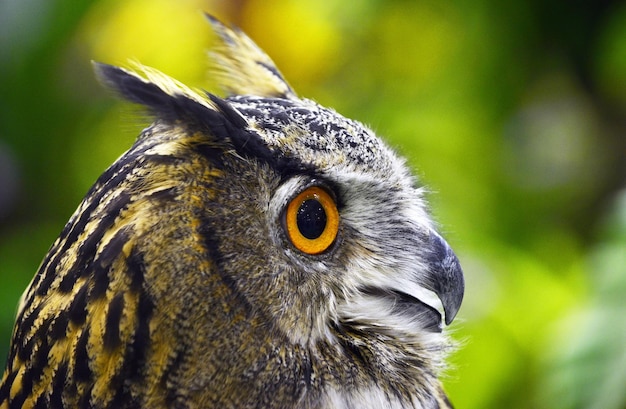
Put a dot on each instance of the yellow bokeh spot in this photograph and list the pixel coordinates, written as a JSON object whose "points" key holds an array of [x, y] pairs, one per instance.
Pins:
{"points": [[300, 38], [171, 36], [418, 49]]}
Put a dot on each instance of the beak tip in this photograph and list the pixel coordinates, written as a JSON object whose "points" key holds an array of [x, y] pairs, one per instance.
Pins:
{"points": [[449, 283]]}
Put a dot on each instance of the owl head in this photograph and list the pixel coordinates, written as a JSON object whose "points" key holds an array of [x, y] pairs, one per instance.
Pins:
{"points": [[256, 250]]}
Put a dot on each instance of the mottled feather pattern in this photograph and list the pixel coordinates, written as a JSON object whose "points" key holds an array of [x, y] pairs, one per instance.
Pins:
{"points": [[174, 284], [87, 315]]}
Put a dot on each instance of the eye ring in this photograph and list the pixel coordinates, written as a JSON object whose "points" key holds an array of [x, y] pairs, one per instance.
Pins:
{"points": [[312, 220]]}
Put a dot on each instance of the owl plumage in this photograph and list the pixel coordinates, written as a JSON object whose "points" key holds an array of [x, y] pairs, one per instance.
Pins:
{"points": [[195, 274]]}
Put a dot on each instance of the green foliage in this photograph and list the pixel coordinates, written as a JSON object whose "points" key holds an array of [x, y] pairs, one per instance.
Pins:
{"points": [[510, 113]]}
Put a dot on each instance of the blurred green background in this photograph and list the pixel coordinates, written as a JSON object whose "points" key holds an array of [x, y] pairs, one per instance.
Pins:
{"points": [[513, 113]]}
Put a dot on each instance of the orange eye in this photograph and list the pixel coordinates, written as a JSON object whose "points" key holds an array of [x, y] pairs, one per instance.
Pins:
{"points": [[312, 220]]}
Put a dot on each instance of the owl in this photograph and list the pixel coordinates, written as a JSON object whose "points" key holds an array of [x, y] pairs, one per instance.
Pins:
{"points": [[252, 251]]}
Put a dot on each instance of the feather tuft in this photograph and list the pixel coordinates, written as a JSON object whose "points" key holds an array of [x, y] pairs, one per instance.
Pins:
{"points": [[242, 68]]}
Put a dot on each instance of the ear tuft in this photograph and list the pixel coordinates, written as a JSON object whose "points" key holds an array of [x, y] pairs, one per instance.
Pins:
{"points": [[129, 85], [242, 68], [172, 101]]}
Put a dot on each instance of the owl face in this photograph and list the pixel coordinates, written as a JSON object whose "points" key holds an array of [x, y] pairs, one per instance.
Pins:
{"points": [[373, 259]]}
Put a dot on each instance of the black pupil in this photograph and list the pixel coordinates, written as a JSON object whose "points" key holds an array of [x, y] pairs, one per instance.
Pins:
{"points": [[311, 219]]}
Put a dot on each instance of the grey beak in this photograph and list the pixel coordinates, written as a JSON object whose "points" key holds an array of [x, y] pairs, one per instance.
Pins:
{"points": [[445, 275]]}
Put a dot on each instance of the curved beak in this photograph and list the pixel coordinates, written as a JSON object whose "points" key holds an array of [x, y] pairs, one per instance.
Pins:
{"points": [[427, 289], [445, 276]]}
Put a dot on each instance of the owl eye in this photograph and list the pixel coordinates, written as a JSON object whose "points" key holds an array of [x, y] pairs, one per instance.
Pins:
{"points": [[312, 220]]}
